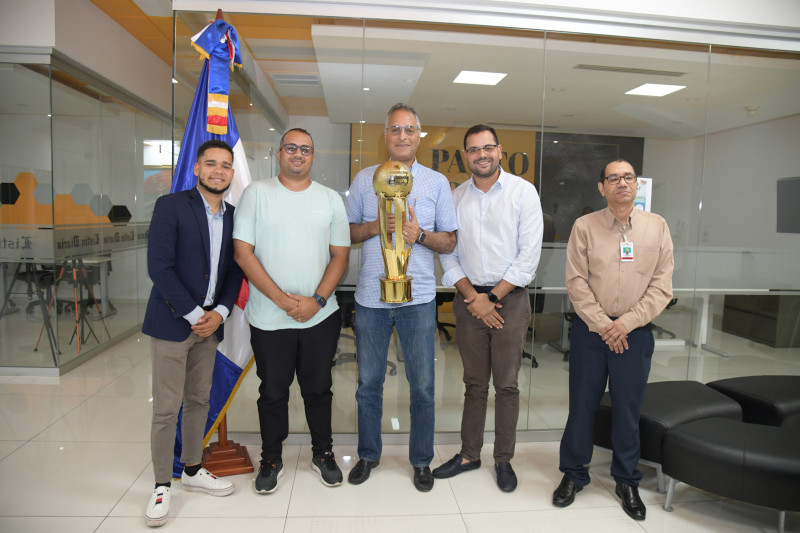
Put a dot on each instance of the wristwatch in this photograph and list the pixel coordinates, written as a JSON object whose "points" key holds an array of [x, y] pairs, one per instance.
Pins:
{"points": [[320, 300], [493, 298], [422, 236]]}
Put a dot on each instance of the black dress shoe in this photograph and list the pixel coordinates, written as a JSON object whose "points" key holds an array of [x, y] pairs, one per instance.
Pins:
{"points": [[564, 495], [360, 473], [454, 467], [631, 502], [506, 478], [423, 479]]}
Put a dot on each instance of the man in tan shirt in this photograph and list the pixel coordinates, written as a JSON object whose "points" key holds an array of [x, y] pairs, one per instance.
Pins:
{"points": [[619, 278]]}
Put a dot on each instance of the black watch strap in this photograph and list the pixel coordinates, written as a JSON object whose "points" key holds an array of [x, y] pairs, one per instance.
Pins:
{"points": [[422, 236], [320, 300], [493, 298]]}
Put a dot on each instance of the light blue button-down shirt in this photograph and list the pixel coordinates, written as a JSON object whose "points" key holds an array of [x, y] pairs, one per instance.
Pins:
{"points": [[215, 228], [499, 233], [432, 200]]}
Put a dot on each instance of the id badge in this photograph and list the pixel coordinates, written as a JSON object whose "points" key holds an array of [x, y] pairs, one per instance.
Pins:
{"points": [[626, 251]]}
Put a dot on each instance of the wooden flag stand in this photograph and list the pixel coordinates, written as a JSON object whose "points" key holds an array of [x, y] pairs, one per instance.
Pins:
{"points": [[225, 457]]}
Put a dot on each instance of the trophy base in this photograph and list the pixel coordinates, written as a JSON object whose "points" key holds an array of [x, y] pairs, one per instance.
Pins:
{"points": [[396, 291]]}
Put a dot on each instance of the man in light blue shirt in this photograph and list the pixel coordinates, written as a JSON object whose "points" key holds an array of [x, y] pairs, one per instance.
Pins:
{"points": [[499, 244], [431, 228], [292, 241]]}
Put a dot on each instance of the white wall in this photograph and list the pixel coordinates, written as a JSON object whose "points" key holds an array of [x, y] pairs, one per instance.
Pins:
{"points": [[738, 242], [89, 36], [28, 23], [742, 168]]}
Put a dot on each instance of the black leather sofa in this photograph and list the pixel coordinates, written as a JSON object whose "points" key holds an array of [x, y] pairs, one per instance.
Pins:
{"points": [[756, 460]]}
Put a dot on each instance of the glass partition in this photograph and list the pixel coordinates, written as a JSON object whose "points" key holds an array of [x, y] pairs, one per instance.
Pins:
{"points": [[747, 249], [80, 278], [561, 110], [26, 245]]}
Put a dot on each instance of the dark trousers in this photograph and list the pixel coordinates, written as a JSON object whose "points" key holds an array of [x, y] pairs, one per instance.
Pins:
{"points": [[497, 354], [591, 365], [281, 354]]}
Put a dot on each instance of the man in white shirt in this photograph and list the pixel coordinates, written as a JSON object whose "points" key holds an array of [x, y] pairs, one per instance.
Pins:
{"points": [[499, 244]]}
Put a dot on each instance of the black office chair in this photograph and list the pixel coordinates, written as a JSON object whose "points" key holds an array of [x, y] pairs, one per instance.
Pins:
{"points": [[441, 298]]}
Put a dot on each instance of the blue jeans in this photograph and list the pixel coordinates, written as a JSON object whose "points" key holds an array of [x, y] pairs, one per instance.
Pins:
{"points": [[416, 326]]}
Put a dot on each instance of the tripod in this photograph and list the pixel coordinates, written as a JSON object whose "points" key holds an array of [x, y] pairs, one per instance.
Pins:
{"points": [[31, 274], [83, 328]]}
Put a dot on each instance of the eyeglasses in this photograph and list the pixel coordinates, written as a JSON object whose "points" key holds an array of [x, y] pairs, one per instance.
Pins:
{"points": [[395, 130], [291, 149], [489, 149], [613, 179]]}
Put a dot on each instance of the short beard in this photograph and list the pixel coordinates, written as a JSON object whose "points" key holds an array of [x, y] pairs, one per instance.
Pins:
{"points": [[481, 175], [213, 191]]}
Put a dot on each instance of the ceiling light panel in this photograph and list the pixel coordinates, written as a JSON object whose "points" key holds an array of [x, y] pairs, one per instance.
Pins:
{"points": [[475, 77], [655, 89]]}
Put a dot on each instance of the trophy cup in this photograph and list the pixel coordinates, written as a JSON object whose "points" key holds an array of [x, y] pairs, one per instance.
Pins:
{"points": [[392, 183]]}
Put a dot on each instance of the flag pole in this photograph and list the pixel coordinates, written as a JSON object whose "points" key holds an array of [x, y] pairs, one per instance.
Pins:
{"points": [[226, 457]]}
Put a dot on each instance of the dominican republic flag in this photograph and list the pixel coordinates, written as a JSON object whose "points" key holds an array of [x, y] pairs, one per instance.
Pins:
{"points": [[234, 356]]}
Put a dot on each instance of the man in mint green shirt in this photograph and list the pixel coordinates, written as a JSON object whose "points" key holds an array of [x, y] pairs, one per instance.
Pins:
{"points": [[292, 240]]}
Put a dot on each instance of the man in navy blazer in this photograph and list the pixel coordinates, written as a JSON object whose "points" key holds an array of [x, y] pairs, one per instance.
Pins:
{"points": [[195, 286]]}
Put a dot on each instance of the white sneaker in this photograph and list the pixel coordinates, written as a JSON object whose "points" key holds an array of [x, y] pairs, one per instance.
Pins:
{"points": [[157, 508], [205, 481]]}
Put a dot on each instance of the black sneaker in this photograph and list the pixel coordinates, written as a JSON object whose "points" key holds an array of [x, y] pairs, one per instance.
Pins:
{"points": [[325, 465], [268, 474]]}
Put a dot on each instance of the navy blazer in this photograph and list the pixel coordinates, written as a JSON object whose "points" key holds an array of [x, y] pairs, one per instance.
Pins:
{"points": [[178, 262]]}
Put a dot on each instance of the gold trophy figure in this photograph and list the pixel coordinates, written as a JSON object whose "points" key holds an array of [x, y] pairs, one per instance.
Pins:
{"points": [[392, 183]]}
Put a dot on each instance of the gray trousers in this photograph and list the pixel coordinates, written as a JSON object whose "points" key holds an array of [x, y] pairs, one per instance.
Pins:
{"points": [[182, 372], [495, 353]]}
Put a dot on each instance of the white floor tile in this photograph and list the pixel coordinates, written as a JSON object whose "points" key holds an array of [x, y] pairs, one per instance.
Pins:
{"points": [[372, 524], [23, 416], [67, 385], [114, 524], [570, 520], [134, 383], [51, 524], [536, 466], [104, 420], [8, 446], [389, 491], [70, 478]]}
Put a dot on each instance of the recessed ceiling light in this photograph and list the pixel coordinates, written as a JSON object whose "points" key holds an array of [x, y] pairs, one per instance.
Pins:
{"points": [[366, 88], [423, 133], [479, 78], [175, 81], [655, 89]]}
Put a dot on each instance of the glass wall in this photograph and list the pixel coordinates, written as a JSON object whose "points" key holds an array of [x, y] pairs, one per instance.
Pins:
{"points": [[76, 179], [718, 149]]}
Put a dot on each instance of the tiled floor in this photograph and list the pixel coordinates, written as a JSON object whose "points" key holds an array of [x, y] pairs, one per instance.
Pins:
{"points": [[74, 457]]}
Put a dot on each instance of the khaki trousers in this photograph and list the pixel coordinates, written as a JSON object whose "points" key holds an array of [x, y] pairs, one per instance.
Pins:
{"points": [[182, 373]]}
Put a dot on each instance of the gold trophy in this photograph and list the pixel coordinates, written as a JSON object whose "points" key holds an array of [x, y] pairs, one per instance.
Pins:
{"points": [[392, 183]]}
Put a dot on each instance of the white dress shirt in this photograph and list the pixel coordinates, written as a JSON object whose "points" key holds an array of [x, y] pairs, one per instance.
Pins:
{"points": [[499, 233]]}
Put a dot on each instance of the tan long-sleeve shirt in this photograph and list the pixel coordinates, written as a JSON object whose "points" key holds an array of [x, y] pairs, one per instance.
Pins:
{"points": [[601, 285]]}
